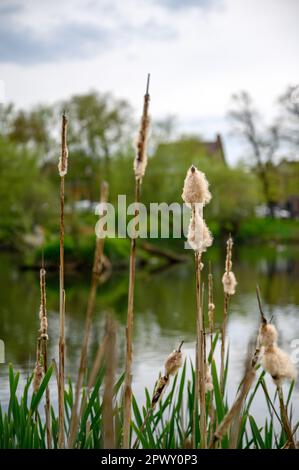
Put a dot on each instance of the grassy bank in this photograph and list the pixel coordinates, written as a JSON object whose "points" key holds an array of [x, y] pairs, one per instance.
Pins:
{"points": [[168, 426], [79, 250]]}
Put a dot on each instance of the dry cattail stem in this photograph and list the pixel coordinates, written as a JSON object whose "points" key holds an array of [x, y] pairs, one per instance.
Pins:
{"points": [[211, 308], [277, 363], [229, 287], [139, 169], [38, 370], [110, 366], [201, 371], [62, 167], [98, 255], [172, 365], [98, 361], [195, 195], [140, 161], [44, 348], [234, 412]]}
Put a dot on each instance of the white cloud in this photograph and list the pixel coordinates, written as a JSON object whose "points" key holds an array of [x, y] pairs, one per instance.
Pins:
{"points": [[197, 56]]}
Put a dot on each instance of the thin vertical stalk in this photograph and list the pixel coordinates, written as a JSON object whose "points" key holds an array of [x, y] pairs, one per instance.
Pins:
{"points": [[201, 354], [211, 308], [63, 170], [139, 169], [44, 350], [98, 255], [129, 333], [229, 286], [223, 338], [285, 419], [110, 365]]}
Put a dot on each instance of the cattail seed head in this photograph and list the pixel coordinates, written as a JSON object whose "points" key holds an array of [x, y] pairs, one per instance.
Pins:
{"points": [[229, 283], [195, 231], [229, 250], [196, 187], [63, 160], [208, 379], [211, 309], [207, 237], [229, 280], [38, 375], [278, 364], [173, 363], [199, 236], [160, 388], [267, 335], [43, 330], [140, 161]]}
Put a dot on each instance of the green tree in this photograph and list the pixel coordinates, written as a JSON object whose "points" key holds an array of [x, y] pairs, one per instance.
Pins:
{"points": [[26, 197]]}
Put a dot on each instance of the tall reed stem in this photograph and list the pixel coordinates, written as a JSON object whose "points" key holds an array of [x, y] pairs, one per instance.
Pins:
{"points": [[211, 308], [200, 371], [129, 334], [139, 168], [110, 365], [235, 410], [98, 255], [229, 287], [223, 339], [44, 350], [285, 419], [61, 437]]}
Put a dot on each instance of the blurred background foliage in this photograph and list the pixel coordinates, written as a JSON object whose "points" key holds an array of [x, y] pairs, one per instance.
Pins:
{"points": [[100, 140]]}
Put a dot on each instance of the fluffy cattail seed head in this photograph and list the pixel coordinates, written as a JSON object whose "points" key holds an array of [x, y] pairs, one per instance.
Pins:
{"points": [[229, 283], [195, 231], [160, 388], [229, 280], [208, 380], [267, 335], [63, 160], [278, 364], [140, 161], [199, 236], [43, 330], [173, 362], [196, 187]]}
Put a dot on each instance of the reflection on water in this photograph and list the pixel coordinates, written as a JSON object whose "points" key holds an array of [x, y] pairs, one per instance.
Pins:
{"points": [[164, 312]]}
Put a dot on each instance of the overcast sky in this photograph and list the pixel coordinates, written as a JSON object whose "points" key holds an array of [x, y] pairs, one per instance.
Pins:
{"points": [[198, 52]]}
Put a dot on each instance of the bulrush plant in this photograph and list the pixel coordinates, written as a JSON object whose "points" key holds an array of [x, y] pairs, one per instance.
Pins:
{"points": [[195, 195], [62, 168], [277, 363], [140, 164], [98, 413], [229, 288], [96, 271], [44, 346], [235, 410], [172, 365]]}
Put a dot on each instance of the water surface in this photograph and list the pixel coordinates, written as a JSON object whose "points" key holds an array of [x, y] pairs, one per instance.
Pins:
{"points": [[164, 313]]}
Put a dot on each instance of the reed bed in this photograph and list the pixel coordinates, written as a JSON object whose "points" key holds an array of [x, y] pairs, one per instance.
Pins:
{"points": [[62, 168], [168, 425], [188, 406]]}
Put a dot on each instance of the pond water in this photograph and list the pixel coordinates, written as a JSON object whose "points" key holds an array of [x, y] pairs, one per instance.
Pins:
{"points": [[164, 314]]}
